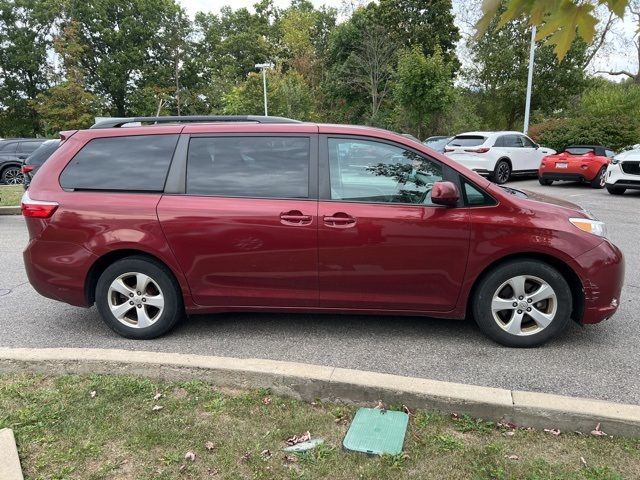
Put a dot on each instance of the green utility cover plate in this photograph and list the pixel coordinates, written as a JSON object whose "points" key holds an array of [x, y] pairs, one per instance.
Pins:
{"points": [[377, 432]]}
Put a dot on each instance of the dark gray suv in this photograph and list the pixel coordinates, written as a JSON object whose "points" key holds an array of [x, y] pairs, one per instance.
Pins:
{"points": [[12, 153]]}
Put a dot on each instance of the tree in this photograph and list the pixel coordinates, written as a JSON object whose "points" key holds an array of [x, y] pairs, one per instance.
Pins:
{"points": [[25, 27], [559, 20], [500, 68], [634, 9], [423, 87], [67, 105], [129, 45]]}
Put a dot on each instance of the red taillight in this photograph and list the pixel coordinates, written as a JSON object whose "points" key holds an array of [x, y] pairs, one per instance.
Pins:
{"points": [[448, 149], [477, 150], [26, 168], [37, 208]]}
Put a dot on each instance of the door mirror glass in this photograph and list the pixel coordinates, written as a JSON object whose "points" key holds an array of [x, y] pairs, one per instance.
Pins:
{"points": [[445, 193]]}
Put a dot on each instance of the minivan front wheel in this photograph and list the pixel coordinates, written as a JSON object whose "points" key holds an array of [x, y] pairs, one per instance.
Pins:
{"points": [[138, 298], [522, 303]]}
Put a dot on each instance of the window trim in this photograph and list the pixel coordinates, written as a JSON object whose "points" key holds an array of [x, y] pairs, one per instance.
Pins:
{"points": [[177, 179], [110, 190], [492, 202], [448, 173]]}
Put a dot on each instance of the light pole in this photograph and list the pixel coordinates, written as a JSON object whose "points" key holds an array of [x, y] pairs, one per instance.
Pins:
{"points": [[264, 67], [532, 56]]}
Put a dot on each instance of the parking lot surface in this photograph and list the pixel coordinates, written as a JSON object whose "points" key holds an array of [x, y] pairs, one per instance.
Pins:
{"points": [[598, 361]]}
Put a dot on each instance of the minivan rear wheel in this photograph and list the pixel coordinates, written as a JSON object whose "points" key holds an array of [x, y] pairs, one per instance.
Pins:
{"points": [[522, 303], [138, 298]]}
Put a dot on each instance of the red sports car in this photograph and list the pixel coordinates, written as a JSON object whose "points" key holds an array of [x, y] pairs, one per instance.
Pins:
{"points": [[577, 163]]}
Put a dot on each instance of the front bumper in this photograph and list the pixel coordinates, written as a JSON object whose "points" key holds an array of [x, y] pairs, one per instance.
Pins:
{"points": [[617, 177], [602, 275]]}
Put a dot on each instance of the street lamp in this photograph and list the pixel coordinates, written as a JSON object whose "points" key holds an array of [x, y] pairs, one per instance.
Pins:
{"points": [[532, 55], [264, 67]]}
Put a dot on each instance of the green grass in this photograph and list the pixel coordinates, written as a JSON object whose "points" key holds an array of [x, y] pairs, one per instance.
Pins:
{"points": [[63, 432], [10, 195]]}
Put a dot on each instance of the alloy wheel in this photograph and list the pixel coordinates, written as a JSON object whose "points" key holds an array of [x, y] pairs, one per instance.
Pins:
{"points": [[524, 305], [135, 300], [503, 172], [13, 176]]}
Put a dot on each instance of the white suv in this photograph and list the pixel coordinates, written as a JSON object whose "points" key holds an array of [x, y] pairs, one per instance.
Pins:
{"points": [[624, 172], [497, 155]]}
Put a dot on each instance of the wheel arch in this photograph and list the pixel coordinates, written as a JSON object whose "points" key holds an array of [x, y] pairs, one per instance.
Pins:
{"points": [[109, 258], [575, 284]]}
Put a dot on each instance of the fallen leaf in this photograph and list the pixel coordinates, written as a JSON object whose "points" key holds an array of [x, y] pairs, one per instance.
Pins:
{"points": [[93, 394], [455, 416], [290, 459], [408, 411], [507, 425], [304, 437], [512, 457], [552, 431], [266, 400], [245, 457], [597, 432], [157, 407], [510, 433], [583, 461], [190, 456], [182, 467], [380, 406], [209, 446], [266, 454], [157, 396]]}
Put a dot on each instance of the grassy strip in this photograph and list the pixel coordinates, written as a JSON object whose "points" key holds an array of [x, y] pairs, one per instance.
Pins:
{"points": [[95, 427], [10, 195]]}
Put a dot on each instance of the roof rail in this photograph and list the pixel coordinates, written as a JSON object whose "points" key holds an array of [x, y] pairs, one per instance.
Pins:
{"points": [[119, 122]]}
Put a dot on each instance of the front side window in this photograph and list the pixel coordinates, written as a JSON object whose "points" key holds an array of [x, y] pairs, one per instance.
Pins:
{"points": [[263, 167], [132, 163], [527, 142], [370, 171], [512, 141]]}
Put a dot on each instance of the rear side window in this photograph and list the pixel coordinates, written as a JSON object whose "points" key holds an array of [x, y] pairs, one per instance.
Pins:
{"points": [[263, 167], [29, 147], [467, 141], [135, 163], [9, 147]]}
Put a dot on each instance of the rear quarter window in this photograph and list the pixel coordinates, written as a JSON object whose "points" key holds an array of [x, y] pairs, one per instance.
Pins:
{"points": [[467, 141], [133, 163]]}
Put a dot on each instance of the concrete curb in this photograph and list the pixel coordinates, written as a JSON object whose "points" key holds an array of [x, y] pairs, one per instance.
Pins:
{"points": [[9, 461], [10, 211], [311, 382]]}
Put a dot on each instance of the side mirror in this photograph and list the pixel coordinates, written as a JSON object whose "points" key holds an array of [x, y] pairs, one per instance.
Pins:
{"points": [[445, 193]]}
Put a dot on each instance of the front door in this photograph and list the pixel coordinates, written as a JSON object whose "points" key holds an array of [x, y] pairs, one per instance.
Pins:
{"points": [[245, 232], [382, 244]]}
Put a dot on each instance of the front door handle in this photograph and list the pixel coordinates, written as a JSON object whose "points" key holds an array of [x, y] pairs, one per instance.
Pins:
{"points": [[339, 220], [295, 217]]}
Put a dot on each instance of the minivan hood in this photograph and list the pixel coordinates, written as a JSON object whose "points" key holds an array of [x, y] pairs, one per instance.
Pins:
{"points": [[540, 197]]}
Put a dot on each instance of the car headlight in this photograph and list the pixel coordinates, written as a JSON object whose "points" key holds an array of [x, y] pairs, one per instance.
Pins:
{"points": [[615, 161], [590, 226]]}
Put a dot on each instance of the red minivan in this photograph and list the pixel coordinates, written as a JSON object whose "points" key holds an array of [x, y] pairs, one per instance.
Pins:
{"points": [[216, 214]]}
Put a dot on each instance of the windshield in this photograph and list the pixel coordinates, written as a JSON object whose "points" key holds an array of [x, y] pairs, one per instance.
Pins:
{"points": [[467, 141], [579, 150], [44, 151]]}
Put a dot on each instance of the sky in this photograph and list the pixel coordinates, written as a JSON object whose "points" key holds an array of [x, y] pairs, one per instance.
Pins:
{"points": [[616, 54]]}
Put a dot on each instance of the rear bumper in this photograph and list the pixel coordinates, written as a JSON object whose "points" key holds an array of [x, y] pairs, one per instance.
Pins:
{"points": [[58, 270], [602, 277]]}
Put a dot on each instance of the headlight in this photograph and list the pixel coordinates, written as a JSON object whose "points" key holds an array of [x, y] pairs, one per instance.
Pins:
{"points": [[590, 226], [615, 161]]}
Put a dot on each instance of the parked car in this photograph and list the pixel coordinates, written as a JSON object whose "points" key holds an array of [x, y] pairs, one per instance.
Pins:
{"points": [[12, 152], [498, 155], [624, 172], [577, 163], [437, 143], [265, 214], [34, 161]]}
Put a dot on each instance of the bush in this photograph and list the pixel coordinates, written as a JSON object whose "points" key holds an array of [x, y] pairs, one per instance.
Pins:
{"points": [[613, 131]]}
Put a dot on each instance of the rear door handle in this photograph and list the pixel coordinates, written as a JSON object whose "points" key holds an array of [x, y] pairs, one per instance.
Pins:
{"points": [[295, 217], [339, 220]]}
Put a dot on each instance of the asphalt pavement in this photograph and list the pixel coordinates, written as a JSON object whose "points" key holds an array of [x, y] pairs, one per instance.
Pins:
{"points": [[597, 361]]}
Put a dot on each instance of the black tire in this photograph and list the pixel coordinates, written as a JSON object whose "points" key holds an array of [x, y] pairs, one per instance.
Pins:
{"points": [[12, 175], [544, 181], [501, 173], [615, 190], [599, 179], [531, 335], [162, 283]]}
